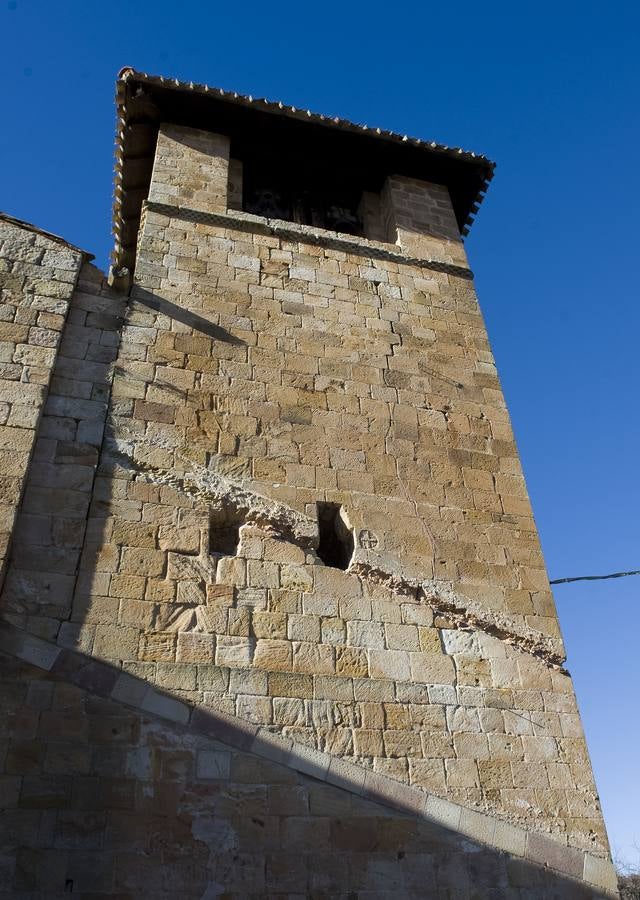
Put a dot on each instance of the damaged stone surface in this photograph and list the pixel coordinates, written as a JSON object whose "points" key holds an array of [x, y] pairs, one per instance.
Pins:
{"points": [[286, 524], [463, 612]]}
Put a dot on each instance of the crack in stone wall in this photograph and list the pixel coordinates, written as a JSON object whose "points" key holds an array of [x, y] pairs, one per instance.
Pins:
{"points": [[285, 523], [214, 488]]}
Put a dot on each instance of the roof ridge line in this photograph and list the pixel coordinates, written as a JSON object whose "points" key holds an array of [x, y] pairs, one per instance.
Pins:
{"points": [[29, 226], [129, 72]]}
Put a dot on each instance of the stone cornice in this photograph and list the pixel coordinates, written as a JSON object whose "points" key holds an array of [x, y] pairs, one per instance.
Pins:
{"points": [[307, 234]]}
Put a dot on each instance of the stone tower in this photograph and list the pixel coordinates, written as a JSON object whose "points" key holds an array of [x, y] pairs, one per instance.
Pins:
{"points": [[275, 617]]}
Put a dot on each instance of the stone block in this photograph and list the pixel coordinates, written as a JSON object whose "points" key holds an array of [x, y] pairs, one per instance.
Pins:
{"points": [[30, 649], [351, 662], [129, 690], [402, 637], [239, 622], [366, 634], [258, 710], [459, 641], [303, 628], [220, 594], [555, 854], [234, 651], [244, 682], [443, 812], [509, 838], [137, 561], [477, 826], [274, 655], [214, 679], [472, 746], [296, 578], [393, 664], [282, 684], [213, 765], [176, 676], [116, 642], [346, 775], [272, 746], [390, 791], [158, 646], [195, 648], [431, 668], [401, 744], [313, 659], [368, 742], [309, 761], [166, 707], [269, 625], [460, 773], [327, 687], [371, 690], [289, 711], [600, 872]]}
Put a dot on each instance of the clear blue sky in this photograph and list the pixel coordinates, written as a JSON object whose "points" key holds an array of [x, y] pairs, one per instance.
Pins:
{"points": [[550, 91]]}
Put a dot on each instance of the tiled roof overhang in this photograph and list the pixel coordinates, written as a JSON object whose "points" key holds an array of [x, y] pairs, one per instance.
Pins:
{"points": [[143, 101]]}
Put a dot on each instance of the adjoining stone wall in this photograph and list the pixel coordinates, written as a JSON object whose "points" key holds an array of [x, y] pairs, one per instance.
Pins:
{"points": [[101, 799], [50, 528], [37, 277]]}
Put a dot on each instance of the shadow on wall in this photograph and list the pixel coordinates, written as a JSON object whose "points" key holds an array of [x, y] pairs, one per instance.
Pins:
{"points": [[180, 314], [109, 788]]}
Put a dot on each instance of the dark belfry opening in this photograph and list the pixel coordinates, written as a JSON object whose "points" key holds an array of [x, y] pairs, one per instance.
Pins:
{"points": [[224, 531], [336, 539], [309, 192]]}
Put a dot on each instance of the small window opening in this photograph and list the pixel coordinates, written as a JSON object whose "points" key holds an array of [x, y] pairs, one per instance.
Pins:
{"points": [[336, 539], [224, 531]]}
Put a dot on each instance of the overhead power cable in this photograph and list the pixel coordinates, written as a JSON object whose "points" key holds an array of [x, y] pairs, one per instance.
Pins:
{"points": [[594, 577]]}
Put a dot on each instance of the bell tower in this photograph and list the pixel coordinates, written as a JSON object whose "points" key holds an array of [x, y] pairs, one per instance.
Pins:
{"points": [[308, 574]]}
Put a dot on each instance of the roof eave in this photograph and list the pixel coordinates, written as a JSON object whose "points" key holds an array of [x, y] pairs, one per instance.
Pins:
{"points": [[128, 77]]}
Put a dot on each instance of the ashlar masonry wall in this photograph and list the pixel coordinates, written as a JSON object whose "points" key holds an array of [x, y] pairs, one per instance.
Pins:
{"points": [[263, 368]]}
